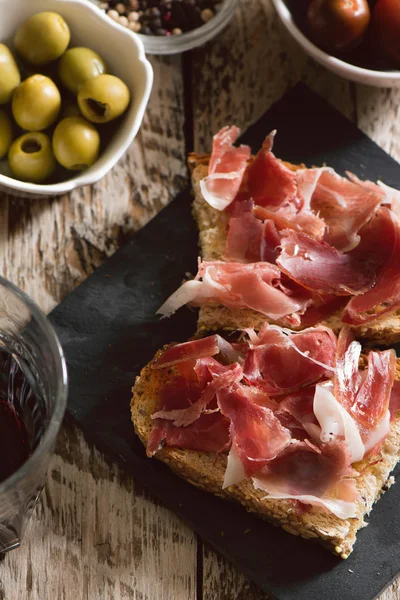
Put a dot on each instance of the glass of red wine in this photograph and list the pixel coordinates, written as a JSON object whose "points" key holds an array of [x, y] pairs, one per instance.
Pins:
{"points": [[33, 394]]}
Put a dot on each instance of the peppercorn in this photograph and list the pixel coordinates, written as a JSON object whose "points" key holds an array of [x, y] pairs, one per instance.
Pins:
{"points": [[162, 17]]}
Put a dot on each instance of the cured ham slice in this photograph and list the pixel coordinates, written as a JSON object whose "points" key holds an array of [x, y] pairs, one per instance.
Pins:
{"points": [[336, 422], [257, 286], [244, 237], [390, 197], [207, 346], [382, 238], [305, 469], [317, 266], [307, 220], [182, 417], [373, 398], [209, 433], [268, 181], [345, 206], [374, 438], [281, 363], [252, 240], [347, 378], [270, 240], [226, 168], [296, 412], [256, 433], [283, 191]]}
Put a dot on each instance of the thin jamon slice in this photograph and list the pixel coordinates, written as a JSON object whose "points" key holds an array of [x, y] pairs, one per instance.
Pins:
{"points": [[319, 267], [222, 378], [373, 398], [347, 378], [226, 168], [236, 285], [283, 191], [345, 206], [243, 242], [270, 241], [281, 363], [209, 433], [281, 222], [194, 349], [306, 469], [257, 434], [296, 412], [380, 244], [268, 181]]}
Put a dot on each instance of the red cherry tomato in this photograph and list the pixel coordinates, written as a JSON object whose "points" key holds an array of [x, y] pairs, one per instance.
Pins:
{"points": [[386, 24], [338, 25]]}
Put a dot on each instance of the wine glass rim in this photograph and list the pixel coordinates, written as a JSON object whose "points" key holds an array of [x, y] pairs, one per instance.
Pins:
{"points": [[61, 391]]}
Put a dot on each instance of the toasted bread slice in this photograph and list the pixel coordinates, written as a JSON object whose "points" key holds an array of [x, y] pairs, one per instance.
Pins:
{"points": [[199, 469], [212, 226]]}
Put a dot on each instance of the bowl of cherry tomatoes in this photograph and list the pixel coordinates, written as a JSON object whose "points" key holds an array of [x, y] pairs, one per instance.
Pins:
{"points": [[357, 39]]}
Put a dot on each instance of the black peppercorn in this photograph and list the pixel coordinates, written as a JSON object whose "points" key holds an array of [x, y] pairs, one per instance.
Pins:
{"points": [[165, 17]]}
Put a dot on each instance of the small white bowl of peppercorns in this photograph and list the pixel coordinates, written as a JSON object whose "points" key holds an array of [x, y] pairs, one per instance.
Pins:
{"points": [[171, 26], [357, 39]]}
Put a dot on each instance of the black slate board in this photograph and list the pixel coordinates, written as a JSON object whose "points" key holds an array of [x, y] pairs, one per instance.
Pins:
{"points": [[109, 330]]}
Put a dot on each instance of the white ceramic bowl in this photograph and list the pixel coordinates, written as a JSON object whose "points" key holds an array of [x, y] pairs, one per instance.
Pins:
{"points": [[124, 54], [340, 67]]}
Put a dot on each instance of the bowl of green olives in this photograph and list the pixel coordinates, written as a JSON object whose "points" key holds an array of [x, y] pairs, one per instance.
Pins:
{"points": [[356, 39], [74, 87]]}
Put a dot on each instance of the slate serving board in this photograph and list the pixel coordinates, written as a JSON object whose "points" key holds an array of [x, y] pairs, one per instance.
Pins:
{"points": [[109, 330]]}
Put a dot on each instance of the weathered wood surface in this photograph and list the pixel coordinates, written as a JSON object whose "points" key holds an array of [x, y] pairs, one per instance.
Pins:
{"points": [[96, 534]]}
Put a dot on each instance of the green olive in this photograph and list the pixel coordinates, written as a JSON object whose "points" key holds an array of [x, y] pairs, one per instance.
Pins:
{"points": [[76, 143], [103, 99], [44, 37], [78, 65], [5, 133], [9, 74], [31, 158], [36, 103]]}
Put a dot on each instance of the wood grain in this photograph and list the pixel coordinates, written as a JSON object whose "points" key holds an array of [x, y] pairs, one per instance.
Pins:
{"points": [[96, 534]]}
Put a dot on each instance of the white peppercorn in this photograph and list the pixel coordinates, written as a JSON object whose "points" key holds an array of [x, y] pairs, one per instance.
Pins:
{"points": [[120, 8], [113, 15]]}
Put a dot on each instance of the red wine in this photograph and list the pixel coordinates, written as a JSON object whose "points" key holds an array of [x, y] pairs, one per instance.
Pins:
{"points": [[21, 413], [14, 440]]}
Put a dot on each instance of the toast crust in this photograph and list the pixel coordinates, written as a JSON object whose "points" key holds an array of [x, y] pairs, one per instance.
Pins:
{"points": [[198, 468], [212, 225]]}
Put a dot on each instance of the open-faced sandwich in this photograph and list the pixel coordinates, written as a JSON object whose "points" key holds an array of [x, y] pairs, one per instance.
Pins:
{"points": [[291, 245], [299, 425]]}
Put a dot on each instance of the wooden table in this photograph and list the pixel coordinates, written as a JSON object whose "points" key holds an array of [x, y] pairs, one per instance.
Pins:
{"points": [[96, 534]]}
